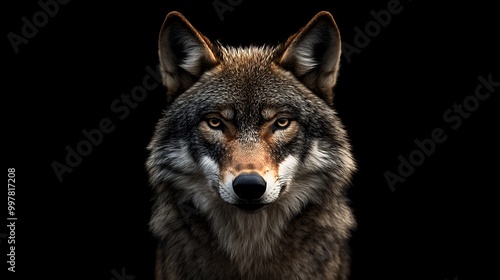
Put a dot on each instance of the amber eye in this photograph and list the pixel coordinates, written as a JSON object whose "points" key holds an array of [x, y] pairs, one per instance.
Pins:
{"points": [[282, 123], [214, 123]]}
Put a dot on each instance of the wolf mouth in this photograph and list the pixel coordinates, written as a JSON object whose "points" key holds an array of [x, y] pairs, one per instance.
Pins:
{"points": [[251, 208]]}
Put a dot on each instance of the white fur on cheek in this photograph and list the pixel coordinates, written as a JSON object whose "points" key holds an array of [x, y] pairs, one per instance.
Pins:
{"points": [[226, 189], [317, 159], [209, 167], [287, 167], [285, 173]]}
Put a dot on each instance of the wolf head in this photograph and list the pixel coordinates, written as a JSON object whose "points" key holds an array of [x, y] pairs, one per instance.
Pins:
{"points": [[250, 128]]}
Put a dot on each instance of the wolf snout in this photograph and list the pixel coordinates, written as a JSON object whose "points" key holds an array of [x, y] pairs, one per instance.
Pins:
{"points": [[249, 186]]}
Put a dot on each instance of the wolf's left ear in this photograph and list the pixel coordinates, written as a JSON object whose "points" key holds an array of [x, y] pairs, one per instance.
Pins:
{"points": [[184, 54], [313, 55]]}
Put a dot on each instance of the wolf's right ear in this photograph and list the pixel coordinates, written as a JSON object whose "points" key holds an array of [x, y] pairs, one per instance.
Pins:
{"points": [[184, 54]]}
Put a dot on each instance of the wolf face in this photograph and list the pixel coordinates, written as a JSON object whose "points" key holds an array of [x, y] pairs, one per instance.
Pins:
{"points": [[250, 137]]}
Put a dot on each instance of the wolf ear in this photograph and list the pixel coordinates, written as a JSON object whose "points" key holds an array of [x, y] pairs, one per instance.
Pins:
{"points": [[313, 55], [184, 54]]}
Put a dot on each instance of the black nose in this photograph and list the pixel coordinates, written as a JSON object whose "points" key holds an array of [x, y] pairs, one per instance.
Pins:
{"points": [[249, 186]]}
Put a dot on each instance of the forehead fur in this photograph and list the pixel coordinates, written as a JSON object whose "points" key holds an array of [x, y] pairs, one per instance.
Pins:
{"points": [[250, 71], [251, 57]]}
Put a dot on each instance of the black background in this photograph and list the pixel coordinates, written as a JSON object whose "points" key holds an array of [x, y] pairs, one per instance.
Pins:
{"points": [[437, 224]]}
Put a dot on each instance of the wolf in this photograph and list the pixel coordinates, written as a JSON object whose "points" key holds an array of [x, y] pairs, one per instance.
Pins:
{"points": [[249, 163]]}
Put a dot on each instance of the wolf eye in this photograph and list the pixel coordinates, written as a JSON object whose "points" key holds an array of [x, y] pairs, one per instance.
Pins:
{"points": [[282, 123], [214, 123]]}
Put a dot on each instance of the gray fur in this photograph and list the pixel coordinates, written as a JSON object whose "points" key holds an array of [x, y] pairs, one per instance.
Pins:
{"points": [[303, 232]]}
